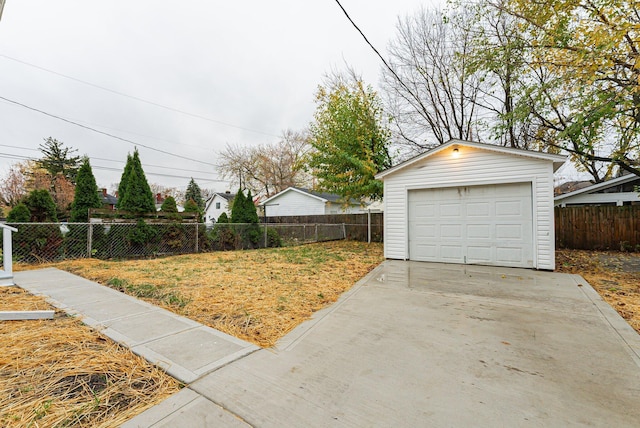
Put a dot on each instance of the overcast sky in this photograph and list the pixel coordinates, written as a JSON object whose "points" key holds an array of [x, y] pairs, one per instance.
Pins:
{"points": [[250, 67]]}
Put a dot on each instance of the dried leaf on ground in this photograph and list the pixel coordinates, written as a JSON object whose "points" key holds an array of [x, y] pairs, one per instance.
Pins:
{"points": [[62, 373], [256, 295]]}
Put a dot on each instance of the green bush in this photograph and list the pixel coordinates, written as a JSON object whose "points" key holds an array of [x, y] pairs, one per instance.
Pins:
{"points": [[273, 238], [37, 242], [19, 214], [223, 237], [41, 206], [143, 234], [245, 216], [169, 205], [174, 237]]}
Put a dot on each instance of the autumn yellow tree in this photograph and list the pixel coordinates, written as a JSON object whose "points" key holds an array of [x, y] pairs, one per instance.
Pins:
{"points": [[349, 139], [585, 89]]}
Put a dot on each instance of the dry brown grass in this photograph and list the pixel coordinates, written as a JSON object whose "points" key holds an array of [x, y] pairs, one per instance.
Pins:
{"points": [[57, 373], [610, 275], [257, 295]]}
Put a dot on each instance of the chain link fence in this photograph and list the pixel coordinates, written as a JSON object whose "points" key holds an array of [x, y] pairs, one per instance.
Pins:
{"points": [[48, 242]]}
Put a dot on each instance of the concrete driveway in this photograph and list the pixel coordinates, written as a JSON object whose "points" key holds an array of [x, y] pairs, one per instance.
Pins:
{"points": [[421, 344]]}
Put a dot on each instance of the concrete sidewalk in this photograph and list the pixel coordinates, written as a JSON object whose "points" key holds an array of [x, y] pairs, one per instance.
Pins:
{"points": [[185, 349]]}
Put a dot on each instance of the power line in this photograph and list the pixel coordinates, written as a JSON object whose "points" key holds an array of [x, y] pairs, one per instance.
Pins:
{"points": [[155, 166], [106, 168], [84, 82], [158, 174], [376, 51], [104, 133], [137, 134], [113, 160]]}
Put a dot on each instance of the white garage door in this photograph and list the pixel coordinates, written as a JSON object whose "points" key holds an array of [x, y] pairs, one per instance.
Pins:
{"points": [[488, 225]]}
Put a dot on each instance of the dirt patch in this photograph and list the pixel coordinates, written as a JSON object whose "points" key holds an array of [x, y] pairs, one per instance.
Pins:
{"points": [[59, 372], [621, 262], [256, 295], [614, 275]]}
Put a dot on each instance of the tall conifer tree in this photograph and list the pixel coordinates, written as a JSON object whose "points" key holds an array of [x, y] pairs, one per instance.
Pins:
{"points": [[195, 194], [237, 209], [124, 179], [137, 196], [86, 194]]}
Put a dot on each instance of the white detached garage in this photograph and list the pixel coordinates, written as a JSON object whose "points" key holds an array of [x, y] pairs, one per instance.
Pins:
{"points": [[472, 203]]}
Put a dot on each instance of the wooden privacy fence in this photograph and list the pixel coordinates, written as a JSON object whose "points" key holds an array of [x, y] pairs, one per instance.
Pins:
{"points": [[357, 226], [598, 227]]}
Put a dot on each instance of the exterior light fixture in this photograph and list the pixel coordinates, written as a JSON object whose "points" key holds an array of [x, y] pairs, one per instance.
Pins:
{"points": [[456, 152]]}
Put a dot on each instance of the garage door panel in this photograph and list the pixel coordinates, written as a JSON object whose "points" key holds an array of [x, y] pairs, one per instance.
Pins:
{"points": [[509, 255], [448, 210], [472, 224], [452, 253], [479, 254], [478, 231], [425, 210], [423, 231], [451, 231], [428, 252], [510, 231], [509, 209], [478, 209]]}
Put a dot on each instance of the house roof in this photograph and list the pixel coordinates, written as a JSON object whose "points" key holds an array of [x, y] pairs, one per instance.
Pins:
{"points": [[557, 160], [599, 186], [571, 186], [108, 199], [226, 196], [323, 196]]}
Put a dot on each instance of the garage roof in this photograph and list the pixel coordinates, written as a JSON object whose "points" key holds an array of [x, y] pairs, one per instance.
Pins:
{"points": [[557, 160]]}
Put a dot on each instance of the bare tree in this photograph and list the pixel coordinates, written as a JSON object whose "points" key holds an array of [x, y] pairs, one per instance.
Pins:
{"points": [[165, 191], [207, 193], [498, 55], [13, 185], [267, 168], [434, 98]]}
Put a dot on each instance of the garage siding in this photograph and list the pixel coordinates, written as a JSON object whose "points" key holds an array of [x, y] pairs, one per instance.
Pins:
{"points": [[473, 166]]}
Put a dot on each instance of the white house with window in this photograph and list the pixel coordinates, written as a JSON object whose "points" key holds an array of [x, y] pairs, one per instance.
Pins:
{"points": [[218, 204], [295, 201]]}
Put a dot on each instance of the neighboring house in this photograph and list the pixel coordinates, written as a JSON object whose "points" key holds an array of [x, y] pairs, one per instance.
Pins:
{"points": [[617, 191], [219, 203], [375, 206], [472, 203], [295, 201], [571, 186], [108, 201]]}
